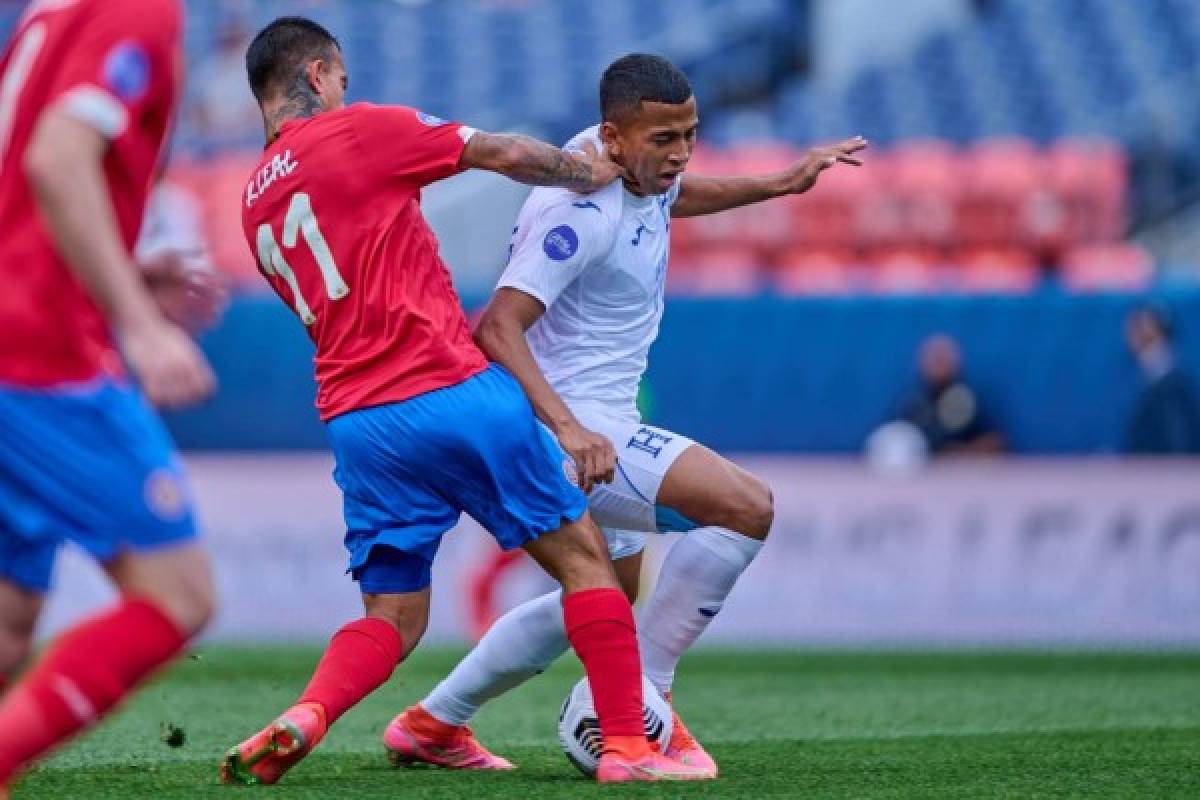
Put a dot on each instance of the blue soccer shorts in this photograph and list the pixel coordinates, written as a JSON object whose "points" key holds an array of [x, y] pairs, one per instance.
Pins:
{"points": [[90, 463], [408, 470]]}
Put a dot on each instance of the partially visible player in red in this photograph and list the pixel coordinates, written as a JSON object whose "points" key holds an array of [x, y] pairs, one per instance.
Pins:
{"points": [[88, 89], [422, 428]]}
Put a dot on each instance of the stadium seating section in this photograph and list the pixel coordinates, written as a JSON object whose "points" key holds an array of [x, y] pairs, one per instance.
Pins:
{"points": [[924, 216]]}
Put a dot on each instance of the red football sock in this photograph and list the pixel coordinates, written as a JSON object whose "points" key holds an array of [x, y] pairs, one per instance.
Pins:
{"points": [[601, 629], [81, 677], [360, 657]]}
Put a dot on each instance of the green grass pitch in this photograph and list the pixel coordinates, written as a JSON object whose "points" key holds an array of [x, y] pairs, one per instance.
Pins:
{"points": [[781, 724]]}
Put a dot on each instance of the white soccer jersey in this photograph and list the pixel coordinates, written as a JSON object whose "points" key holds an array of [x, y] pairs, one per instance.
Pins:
{"points": [[598, 263]]}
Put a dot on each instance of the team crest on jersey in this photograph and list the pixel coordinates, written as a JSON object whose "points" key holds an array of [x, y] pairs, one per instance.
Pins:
{"points": [[127, 71], [165, 495], [561, 243], [430, 119]]}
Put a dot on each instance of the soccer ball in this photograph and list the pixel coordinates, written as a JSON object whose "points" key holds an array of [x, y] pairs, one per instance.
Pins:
{"points": [[579, 729]]}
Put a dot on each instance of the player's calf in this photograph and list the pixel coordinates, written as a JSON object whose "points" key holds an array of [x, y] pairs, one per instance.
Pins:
{"points": [[600, 627], [178, 580]]}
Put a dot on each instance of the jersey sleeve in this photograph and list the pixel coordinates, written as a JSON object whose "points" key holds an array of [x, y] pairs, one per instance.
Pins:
{"points": [[562, 241], [123, 66], [408, 144]]}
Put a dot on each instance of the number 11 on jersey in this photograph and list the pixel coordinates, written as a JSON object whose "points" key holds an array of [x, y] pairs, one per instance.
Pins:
{"points": [[300, 220]]}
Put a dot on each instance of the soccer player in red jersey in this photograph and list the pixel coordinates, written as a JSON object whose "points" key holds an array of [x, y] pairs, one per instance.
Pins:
{"points": [[88, 89], [422, 427]]}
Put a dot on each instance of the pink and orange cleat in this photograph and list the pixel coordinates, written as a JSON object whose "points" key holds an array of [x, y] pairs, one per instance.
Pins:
{"points": [[684, 748], [653, 766], [417, 737], [268, 754]]}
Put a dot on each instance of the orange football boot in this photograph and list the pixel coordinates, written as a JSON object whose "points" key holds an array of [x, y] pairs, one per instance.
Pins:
{"points": [[268, 754]]}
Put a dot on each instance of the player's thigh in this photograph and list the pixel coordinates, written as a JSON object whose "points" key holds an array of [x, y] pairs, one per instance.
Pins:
{"points": [[510, 475], [93, 464], [645, 455], [708, 489], [389, 469], [474, 447]]}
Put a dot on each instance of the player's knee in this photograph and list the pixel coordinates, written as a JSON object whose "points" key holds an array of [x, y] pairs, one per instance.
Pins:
{"points": [[576, 556], [588, 566], [192, 604], [754, 510], [189, 599]]}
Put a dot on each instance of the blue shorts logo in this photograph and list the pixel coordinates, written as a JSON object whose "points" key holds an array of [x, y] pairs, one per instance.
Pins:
{"points": [[165, 495], [127, 71], [430, 119], [561, 243]]}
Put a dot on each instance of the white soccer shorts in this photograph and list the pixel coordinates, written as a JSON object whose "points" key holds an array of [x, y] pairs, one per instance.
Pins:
{"points": [[625, 509]]}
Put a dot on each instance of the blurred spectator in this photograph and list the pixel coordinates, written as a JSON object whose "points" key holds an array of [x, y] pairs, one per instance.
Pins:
{"points": [[945, 409], [1166, 416], [224, 113]]}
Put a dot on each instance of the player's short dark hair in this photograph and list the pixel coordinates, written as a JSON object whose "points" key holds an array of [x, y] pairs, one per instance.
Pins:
{"points": [[641, 78], [281, 50]]}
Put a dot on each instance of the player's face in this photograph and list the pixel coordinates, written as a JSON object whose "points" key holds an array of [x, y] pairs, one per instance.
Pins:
{"points": [[654, 143]]}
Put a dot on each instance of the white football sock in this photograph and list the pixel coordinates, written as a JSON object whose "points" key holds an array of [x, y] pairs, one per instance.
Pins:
{"points": [[518, 646], [696, 577]]}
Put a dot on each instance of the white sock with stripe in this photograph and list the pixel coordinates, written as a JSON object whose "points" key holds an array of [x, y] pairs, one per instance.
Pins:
{"points": [[697, 575]]}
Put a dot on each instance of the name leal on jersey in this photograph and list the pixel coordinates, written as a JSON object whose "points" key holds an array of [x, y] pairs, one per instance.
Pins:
{"points": [[280, 166]]}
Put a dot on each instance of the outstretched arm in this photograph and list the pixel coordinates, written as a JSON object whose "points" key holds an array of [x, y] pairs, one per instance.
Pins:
{"points": [[64, 164], [501, 336], [702, 194], [527, 160]]}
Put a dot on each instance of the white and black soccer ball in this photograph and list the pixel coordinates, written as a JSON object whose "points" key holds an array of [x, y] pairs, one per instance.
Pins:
{"points": [[579, 729]]}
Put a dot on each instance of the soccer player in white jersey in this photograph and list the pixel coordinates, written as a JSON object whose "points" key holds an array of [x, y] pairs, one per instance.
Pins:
{"points": [[573, 319]]}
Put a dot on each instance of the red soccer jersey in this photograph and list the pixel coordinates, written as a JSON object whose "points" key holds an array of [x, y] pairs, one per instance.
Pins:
{"points": [[114, 64], [333, 215]]}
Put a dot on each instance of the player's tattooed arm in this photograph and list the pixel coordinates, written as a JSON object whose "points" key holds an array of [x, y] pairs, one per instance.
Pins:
{"points": [[703, 194], [527, 160]]}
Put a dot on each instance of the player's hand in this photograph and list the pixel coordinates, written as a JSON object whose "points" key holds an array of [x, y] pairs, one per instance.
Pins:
{"points": [[802, 175], [594, 455], [167, 363], [187, 293], [603, 169]]}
